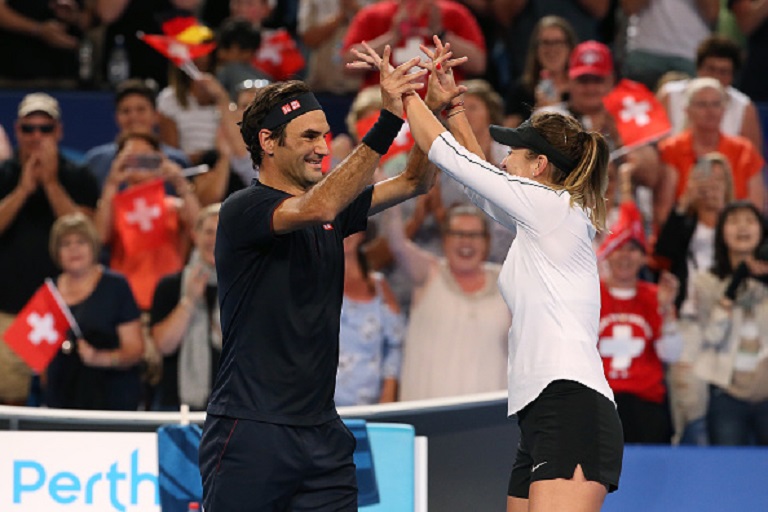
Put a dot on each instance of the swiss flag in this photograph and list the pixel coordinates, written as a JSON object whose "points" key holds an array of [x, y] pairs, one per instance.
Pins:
{"points": [[402, 143], [139, 216], [640, 118], [175, 50], [278, 55], [39, 330]]}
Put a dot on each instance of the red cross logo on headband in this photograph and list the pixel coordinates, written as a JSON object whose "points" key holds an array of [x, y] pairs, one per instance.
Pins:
{"points": [[287, 108], [295, 105]]}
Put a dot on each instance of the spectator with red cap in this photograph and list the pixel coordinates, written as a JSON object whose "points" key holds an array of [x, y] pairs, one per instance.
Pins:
{"points": [[638, 331], [591, 79]]}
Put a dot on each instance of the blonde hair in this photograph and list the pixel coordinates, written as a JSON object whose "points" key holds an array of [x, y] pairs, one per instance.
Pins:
{"points": [[211, 210], [73, 223], [367, 99], [697, 85], [588, 181]]}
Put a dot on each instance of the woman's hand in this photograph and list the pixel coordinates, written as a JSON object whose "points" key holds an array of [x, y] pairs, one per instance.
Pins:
{"points": [[442, 87], [395, 82]]}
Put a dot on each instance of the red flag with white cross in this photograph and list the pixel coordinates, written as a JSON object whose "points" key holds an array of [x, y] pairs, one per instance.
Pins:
{"points": [[640, 118], [40, 328], [139, 216]]}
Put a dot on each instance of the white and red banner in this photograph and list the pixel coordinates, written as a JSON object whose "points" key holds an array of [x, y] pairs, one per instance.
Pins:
{"points": [[140, 216], [640, 118], [40, 328]]}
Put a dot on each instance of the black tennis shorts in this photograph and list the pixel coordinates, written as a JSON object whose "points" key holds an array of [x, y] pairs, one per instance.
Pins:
{"points": [[251, 466], [567, 425]]}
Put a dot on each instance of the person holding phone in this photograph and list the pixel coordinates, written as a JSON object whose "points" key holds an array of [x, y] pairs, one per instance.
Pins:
{"points": [[139, 161]]}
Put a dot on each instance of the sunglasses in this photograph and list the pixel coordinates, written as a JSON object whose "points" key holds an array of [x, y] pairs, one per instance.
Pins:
{"points": [[42, 128]]}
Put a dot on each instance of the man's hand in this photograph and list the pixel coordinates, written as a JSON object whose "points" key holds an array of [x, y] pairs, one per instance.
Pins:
{"points": [[395, 82], [47, 162]]}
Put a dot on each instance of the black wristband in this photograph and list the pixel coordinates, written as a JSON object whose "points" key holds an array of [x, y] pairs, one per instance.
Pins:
{"points": [[383, 133]]}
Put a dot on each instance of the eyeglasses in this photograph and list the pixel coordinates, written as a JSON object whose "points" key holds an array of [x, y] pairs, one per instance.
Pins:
{"points": [[42, 128], [551, 43], [472, 235]]}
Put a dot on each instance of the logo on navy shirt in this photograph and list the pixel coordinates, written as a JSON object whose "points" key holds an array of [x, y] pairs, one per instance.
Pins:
{"points": [[290, 107], [328, 227]]}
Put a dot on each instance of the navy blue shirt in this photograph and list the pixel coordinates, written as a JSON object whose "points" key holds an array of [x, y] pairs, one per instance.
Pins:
{"points": [[71, 384], [280, 299]]}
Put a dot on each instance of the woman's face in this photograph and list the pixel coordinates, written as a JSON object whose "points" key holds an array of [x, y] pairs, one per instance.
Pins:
{"points": [[742, 231], [626, 261], [465, 244], [552, 49], [706, 109], [477, 113], [517, 163], [75, 253]]}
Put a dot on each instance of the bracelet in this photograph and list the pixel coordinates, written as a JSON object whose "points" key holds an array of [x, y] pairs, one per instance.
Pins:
{"points": [[452, 106], [114, 359], [454, 113], [383, 133]]}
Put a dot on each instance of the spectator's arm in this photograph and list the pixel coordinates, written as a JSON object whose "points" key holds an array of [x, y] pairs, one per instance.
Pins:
{"points": [[103, 217], [631, 7], [750, 15], [169, 132], [750, 127], [169, 332], [316, 35], [12, 21], [11, 204], [129, 353], [416, 261]]}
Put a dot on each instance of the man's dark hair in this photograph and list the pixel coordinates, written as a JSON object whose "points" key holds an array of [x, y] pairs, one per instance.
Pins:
{"points": [[253, 117], [149, 138], [240, 33], [138, 86], [721, 47]]}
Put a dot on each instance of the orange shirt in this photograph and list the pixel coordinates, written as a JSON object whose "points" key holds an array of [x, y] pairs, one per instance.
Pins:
{"points": [[144, 268], [745, 160]]}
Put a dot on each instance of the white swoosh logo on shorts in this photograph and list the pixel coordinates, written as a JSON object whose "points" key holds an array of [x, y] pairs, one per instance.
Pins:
{"points": [[537, 466]]}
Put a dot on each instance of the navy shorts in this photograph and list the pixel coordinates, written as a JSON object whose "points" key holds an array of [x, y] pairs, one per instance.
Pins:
{"points": [[567, 425], [251, 466]]}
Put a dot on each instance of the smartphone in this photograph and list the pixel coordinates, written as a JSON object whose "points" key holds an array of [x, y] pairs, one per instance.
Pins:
{"points": [[144, 162]]}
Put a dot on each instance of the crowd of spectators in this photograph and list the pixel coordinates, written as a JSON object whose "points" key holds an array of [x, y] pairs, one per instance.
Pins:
{"points": [[684, 267]]}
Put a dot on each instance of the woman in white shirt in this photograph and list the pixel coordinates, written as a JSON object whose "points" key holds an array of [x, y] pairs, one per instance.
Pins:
{"points": [[550, 188]]}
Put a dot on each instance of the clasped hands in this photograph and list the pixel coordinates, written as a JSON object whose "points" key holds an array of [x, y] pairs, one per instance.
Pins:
{"points": [[398, 83]]}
